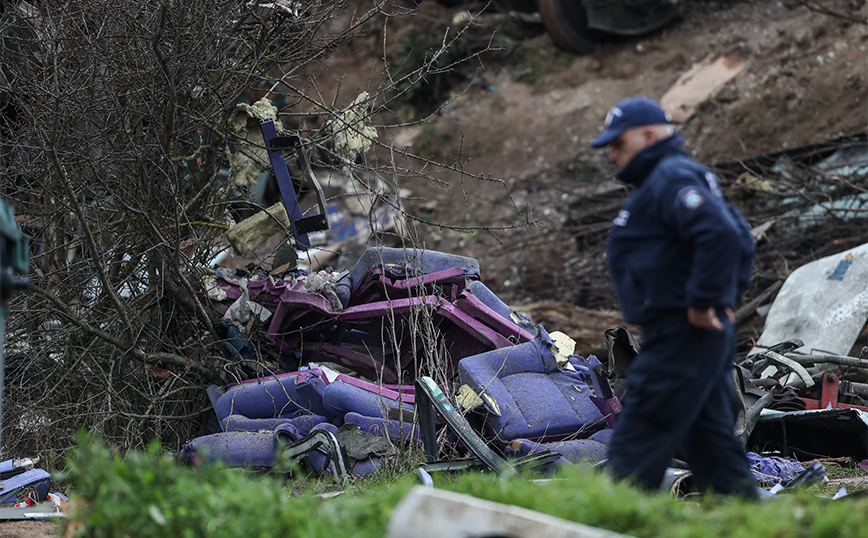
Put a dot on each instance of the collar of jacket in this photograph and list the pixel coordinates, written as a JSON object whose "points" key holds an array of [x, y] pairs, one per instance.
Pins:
{"points": [[643, 163]]}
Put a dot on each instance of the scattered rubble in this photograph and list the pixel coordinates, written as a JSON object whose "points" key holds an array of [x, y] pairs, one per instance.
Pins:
{"points": [[339, 369], [343, 354], [24, 492], [526, 398], [410, 347]]}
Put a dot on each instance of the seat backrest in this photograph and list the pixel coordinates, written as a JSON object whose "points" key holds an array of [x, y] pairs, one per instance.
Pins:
{"points": [[283, 395], [347, 395], [534, 398]]}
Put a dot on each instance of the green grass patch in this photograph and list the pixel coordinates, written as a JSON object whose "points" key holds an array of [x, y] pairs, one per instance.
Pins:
{"points": [[592, 498], [147, 494]]}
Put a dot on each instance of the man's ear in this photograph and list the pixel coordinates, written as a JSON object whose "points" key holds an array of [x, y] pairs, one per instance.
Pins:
{"points": [[649, 134]]}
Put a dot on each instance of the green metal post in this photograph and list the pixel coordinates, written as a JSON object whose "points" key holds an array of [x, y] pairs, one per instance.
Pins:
{"points": [[14, 260]]}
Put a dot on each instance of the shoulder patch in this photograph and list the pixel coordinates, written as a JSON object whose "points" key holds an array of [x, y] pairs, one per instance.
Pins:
{"points": [[691, 199], [621, 219]]}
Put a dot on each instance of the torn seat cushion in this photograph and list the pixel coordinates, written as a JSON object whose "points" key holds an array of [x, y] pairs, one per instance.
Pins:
{"points": [[395, 430], [301, 423], [771, 470], [536, 400], [346, 395], [573, 451], [412, 262], [282, 396]]}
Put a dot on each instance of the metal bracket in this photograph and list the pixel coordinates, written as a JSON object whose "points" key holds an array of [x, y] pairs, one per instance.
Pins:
{"points": [[758, 362], [604, 398], [428, 398], [321, 441], [301, 225], [792, 365]]}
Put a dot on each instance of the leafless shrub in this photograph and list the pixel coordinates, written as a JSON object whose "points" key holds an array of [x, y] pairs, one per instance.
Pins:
{"points": [[116, 123]]}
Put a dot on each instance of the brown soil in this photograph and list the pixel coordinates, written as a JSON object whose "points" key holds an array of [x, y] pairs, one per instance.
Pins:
{"points": [[520, 153], [27, 529]]}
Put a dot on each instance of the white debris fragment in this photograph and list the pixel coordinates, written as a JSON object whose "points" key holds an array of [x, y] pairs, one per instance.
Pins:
{"points": [[243, 311], [250, 158], [351, 133], [468, 399], [263, 109], [212, 290], [563, 347]]}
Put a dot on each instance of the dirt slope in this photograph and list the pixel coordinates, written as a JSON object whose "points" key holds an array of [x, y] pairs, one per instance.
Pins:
{"points": [[526, 126], [804, 81]]}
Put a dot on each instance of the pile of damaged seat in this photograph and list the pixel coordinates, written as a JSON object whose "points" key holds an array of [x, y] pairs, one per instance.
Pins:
{"points": [[371, 342], [411, 348]]}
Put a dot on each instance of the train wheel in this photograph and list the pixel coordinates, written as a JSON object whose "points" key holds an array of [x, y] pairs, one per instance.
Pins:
{"points": [[567, 22]]}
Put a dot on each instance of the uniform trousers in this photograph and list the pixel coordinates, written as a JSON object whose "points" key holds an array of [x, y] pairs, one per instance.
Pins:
{"points": [[680, 403]]}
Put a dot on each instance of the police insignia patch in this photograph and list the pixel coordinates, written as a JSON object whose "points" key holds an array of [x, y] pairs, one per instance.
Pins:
{"points": [[691, 199]]}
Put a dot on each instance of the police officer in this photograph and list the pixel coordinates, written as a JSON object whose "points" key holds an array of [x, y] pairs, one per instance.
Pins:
{"points": [[680, 258]]}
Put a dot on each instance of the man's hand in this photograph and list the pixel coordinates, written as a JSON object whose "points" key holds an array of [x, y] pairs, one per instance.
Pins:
{"points": [[705, 319]]}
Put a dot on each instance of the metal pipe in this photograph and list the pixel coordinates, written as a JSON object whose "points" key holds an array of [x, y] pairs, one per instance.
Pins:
{"points": [[834, 359]]}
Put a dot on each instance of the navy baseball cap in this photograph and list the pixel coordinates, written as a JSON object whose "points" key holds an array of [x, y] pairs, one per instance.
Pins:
{"points": [[631, 112]]}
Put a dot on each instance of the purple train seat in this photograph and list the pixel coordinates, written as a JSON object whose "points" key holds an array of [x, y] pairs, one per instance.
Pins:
{"points": [[472, 305], [487, 337], [573, 451], [350, 395], [395, 430], [481, 292], [384, 295], [363, 363], [536, 399], [301, 312], [239, 448], [603, 436], [409, 262], [350, 337], [281, 396], [37, 480], [386, 284], [492, 301], [301, 423]]}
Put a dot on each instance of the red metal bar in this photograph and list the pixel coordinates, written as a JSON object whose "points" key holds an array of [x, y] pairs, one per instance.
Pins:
{"points": [[829, 396]]}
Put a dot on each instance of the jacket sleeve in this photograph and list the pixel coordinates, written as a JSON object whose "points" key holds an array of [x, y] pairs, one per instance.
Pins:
{"points": [[702, 218]]}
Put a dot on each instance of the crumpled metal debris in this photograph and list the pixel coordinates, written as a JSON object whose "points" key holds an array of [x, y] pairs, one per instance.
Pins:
{"points": [[823, 303]]}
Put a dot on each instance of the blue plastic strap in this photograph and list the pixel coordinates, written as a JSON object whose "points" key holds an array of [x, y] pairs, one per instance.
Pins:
{"points": [[284, 181]]}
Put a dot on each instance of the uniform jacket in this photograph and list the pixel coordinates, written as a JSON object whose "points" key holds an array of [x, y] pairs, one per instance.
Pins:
{"points": [[676, 242]]}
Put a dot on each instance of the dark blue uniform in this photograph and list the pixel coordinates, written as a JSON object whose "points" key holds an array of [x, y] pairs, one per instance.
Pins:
{"points": [[676, 244]]}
